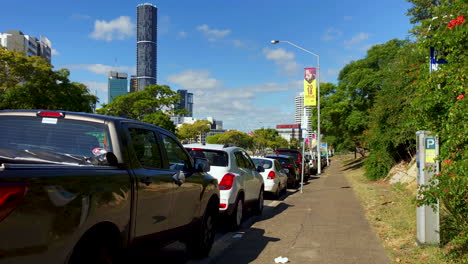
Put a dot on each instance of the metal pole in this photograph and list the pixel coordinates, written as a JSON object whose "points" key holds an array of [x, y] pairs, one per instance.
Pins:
{"points": [[302, 174], [319, 165]]}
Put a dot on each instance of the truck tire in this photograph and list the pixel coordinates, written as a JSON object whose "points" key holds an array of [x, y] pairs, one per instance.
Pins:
{"points": [[200, 244], [97, 248]]}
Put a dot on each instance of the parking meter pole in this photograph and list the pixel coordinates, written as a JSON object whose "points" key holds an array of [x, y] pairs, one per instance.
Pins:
{"points": [[302, 174], [427, 219]]}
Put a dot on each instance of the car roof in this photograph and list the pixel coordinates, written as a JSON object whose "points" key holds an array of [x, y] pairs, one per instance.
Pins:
{"points": [[278, 155], [226, 148], [264, 158], [288, 150]]}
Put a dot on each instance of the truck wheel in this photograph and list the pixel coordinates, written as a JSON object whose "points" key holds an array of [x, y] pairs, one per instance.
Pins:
{"points": [[237, 214], [259, 204], [95, 250], [200, 245]]}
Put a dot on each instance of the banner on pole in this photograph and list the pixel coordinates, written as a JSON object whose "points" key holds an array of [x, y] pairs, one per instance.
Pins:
{"points": [[310, 87]]}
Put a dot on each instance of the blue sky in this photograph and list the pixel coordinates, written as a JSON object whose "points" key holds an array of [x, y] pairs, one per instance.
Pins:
{"points": [[219, 49]]}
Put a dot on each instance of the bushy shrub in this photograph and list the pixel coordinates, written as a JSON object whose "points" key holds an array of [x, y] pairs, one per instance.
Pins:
{"points": [[378, 164]]}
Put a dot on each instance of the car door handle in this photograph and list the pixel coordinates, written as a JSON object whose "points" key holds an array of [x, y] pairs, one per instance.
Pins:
{"points": [[146, 180]]}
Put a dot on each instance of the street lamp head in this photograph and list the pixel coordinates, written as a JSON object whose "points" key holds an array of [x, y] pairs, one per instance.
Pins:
{"points": [[274, 41]]}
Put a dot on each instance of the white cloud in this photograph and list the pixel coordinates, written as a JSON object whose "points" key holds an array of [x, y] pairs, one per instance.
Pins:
{"points": [[182, 35], [101, 68], [282, 58], [194, 79], [213, 34], [331, 34], [99, 89], [237, 107], [356, 40], [119, 28], [278, 54], [55, 52]]}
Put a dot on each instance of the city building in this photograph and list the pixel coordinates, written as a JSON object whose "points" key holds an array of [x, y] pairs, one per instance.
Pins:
{"points": [[146, 71], [290, 131], [15, 40], [185, 102], [117, 85], [302, 115], [133, 83]]}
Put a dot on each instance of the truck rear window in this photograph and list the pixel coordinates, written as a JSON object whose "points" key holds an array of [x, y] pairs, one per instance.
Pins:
{"points": [[64, 136]]}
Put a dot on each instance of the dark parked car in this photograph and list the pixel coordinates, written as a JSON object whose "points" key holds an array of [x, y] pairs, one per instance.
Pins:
{"points": [[78, 188], [294, 175], [297, 157]]}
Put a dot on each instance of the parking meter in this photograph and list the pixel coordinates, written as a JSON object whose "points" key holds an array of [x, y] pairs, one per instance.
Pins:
{"points": [[427, 150]]}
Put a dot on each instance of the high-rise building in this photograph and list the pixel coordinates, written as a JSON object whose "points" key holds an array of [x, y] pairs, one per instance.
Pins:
{"points": [[146, 45], [133, 83], [302, 115], [117, 85], [15, 40], [185, 102]]}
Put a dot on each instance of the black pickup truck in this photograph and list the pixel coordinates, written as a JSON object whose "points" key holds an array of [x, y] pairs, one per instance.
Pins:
{"points": [[80, 188]]}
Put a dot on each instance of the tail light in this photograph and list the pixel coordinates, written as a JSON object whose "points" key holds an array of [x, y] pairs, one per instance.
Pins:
{"points": [[11, 195], [227, 181], [288, 166], [222, 205], [271, 175], [50, 114]]}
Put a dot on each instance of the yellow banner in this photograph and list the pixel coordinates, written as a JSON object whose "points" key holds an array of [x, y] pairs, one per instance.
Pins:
{"points": [[310, 93], [310, 87]]}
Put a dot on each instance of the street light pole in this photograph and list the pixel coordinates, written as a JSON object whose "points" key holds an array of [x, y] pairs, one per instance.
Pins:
{"points": [[319, 158]]}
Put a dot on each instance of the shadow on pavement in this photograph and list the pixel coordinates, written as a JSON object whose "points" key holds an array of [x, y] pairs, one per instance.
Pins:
{"points": [[246, 249], [353, 165]]}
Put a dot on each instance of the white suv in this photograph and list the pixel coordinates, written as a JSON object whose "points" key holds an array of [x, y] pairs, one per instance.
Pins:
{"points": [[240, 182]]}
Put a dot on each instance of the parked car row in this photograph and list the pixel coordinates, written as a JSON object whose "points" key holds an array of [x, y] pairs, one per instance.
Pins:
{"points": [[97, 184]]}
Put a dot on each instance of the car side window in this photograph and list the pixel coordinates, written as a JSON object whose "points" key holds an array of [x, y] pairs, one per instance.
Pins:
{"points": [[278, 166], [248, 161], [146, 147], [240, 160], [178, 159]]}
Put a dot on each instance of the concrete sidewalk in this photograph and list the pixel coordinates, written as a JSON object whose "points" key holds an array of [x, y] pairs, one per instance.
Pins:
{"points": [[325, 224]]}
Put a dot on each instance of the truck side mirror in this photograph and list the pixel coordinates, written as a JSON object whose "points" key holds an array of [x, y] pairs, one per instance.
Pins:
{"points": [[202, 165]]}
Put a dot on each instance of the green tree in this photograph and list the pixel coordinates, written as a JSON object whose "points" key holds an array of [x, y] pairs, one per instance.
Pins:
{"points": [[267, 138], [152, 105], [30, 83], [193, 131], [234, 137]]}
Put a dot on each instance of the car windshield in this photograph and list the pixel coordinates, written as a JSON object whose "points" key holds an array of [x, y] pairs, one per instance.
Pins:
{"points": [[266, 164], [215, 157], [33, 137]]}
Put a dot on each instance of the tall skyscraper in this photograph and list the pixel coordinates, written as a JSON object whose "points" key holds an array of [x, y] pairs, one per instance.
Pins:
{"points": [[15, 40], [186, 102], [117, 85], [302, 115], [146, 45]]}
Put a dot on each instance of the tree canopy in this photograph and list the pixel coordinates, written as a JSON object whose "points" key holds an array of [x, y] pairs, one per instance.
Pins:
{"points": [[193, 131], [153, 105], [31, 83]]}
